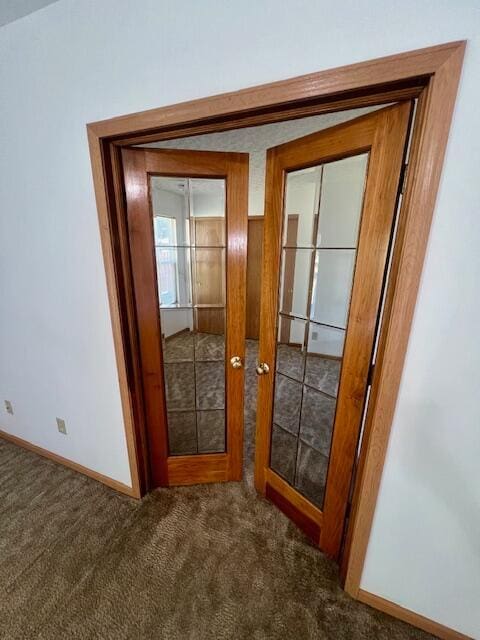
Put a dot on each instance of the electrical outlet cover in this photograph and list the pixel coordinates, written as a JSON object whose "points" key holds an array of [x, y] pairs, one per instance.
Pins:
{"points": [[61, 426], [8, 407]]}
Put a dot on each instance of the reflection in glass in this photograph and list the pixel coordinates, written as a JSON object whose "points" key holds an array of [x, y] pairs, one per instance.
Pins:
{"points": [[296, 271], [180, 386], [325, 340], [292, 335], [209, 276], [318, 411], [209, 346], [287, 403], [284, 453], [311, 473], [207, 200], [322, 215], [331, 286], [343, 184], [302, 195], [211, 431], [210, 385], [182, 433], [174, 281], [189, 236]]}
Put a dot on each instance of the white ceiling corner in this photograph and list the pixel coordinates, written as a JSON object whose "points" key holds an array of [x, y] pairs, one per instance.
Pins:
{"points": [[11, 10]]}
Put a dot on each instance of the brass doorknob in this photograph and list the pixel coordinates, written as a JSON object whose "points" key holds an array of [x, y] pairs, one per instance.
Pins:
{"points": [[236, 362], [262, 368]]}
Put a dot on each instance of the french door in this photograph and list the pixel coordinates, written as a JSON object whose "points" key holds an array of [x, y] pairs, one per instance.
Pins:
{"points": [[187, 231], [329, 210]]}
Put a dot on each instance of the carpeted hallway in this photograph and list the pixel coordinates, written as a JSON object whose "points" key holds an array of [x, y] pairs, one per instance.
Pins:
{"points": [[78, 560]]}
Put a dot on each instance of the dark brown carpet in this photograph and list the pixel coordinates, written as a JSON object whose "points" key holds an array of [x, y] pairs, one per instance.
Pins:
{"points": [[78, 560]]}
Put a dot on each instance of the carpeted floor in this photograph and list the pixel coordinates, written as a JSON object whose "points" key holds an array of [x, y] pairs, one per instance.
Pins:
{"points": [[79, 561], [305, 399]]}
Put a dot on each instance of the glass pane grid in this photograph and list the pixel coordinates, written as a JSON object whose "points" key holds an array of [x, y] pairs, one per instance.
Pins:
{"points": [[188, 246], [297, 316], [332, 287], [192, 306], [295, 442], [308, 386], [319, 248], [195, 384], [321, 224], [191, 263]]}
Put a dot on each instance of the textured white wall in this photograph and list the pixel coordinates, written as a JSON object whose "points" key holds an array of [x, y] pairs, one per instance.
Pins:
{"points": [[78, 61]]}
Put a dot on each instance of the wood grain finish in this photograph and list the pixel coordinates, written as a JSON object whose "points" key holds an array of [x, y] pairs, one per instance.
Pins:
{"points": [[354, 99], [301, 504], [208, 265], [254, 276], [210, 320], [383, 134], [429, 141], [237, 230], [407, 67], [139, 164], [209, 232], [200, 469], [303, 522], [432, 74], [139, 452], [383, 177], [109, 197], [415, 619], [147, 306], [208, 273]]}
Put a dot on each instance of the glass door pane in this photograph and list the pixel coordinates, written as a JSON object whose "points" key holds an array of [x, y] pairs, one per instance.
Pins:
{"points": [[189, 233], [322, 212]]}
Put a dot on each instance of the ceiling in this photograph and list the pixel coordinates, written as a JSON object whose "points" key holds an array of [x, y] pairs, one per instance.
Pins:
{"points": [[11, 10]]}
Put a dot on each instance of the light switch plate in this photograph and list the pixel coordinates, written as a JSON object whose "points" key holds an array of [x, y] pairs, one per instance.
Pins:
{"points": [[61, 426], [8, 407]]}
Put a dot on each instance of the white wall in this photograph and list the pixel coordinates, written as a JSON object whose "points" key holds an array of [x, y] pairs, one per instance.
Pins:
{"points": [[208, 205], [176, 320], [78, 61]]}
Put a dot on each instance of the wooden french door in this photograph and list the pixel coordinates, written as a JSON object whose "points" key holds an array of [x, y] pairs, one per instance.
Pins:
{"points": [[321, 293], [187, 230]]}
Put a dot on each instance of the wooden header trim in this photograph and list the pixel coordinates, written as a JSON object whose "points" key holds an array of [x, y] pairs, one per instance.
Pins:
{"points": [[324, 84]]}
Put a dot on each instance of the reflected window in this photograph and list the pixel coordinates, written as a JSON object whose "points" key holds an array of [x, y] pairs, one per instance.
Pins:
{"points": [[165, 230]]}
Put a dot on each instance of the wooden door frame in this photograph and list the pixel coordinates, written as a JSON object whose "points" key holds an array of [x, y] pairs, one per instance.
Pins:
{"points": [[383, 135], [431, 75]]}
